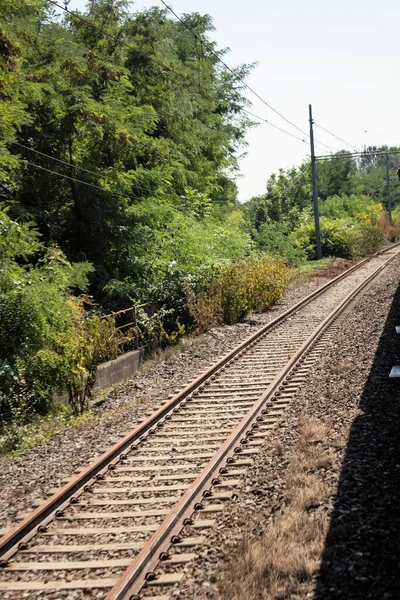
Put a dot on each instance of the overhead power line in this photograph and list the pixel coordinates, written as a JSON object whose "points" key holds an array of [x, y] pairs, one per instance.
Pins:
{"points": [[381, 134], [367, 131], [261, 119], [68, 164], [92, 185], [211, 50], [83, 182], [101, 29], [356, 154], [335, 136], [59, 160], [109, 36], [163, 65], [215, 54], [75, 179]]}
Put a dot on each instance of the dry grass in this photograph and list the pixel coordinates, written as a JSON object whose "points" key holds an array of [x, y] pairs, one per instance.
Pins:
{"points": [[284, 561], [342, 367]]}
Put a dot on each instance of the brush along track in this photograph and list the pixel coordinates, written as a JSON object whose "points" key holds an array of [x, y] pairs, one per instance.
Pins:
{"points": [[104, 531]]}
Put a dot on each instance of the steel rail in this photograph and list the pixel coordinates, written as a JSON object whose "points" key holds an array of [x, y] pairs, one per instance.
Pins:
{"points": [[143, 565], [38, 519]]}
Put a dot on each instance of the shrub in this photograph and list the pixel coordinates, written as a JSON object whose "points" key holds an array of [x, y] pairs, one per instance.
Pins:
{"points": [[275, 239], [234, 290], [47, 343], [356, 206], [340, 237], [94, 340], [390, 231]]}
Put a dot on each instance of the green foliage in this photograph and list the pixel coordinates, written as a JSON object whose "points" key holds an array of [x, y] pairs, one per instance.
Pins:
{"points": [[155, 128], [340, 237], [186, 243], [276, 239], [95, 340], [47, 344], [144, 139], [338, 177], [353, 221], [16, 240], [359, 207], [287, 197], [232, 291]]}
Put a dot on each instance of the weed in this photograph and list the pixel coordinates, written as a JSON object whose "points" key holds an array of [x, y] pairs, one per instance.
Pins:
{"points": [[285, 559]]}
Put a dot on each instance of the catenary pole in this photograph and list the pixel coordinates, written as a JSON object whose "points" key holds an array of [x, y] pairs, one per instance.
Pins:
{"points": [[314, 187], [388, 199]]}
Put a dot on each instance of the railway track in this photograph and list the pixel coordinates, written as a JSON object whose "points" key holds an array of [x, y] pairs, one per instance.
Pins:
{"points": [[126, 526]]}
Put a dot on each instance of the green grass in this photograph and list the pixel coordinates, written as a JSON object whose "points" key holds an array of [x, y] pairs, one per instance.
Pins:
{"points": [[18, 438], [307, 270]]}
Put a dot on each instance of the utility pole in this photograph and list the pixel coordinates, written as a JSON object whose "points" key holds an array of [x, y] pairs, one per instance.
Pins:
{"points": [[314, 187], [388, 199]]}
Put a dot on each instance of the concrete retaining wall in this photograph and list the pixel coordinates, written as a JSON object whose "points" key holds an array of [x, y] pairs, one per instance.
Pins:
{"points": [[118, 370], [114, 371]]}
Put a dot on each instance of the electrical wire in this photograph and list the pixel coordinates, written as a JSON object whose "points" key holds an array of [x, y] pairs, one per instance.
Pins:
{"points": [[261, 119], [98, 174], [92, 185], [59, 160], [367, 131], [212, 51], [380, 134], [68, 164], [87, 22], [215, 54], [113, 38], [120, 194], [357, 154], [81, 181], [335, 136]]}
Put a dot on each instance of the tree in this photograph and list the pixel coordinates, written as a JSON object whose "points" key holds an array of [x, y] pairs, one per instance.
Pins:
{"points": [[288, 196], [337, 176], [127, 119]]}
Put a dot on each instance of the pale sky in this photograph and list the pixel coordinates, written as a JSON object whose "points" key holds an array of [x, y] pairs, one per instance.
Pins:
{"points": [[341, 57]]}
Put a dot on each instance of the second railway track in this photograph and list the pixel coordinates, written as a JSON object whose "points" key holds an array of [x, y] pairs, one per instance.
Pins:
{"points": [[125, 525]]}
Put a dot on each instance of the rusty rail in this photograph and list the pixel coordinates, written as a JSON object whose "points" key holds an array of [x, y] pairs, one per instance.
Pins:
{"points": [[132, 581], [39, 518]]}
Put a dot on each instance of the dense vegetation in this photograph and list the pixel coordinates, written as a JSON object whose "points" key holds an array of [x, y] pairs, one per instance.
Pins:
{"points": [[120, 136], [119, 141], [352, 197]]}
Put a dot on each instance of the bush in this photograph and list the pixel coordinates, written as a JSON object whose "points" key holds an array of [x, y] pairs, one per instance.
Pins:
{"points": [[340, 237], [357, 206], [390, 231], [275, 239], [47, 343], [234, 290]]}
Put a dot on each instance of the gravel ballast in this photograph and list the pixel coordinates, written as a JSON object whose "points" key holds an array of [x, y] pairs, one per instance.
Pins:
{"points": [[350, 393], [265, 486], [33, 474]]}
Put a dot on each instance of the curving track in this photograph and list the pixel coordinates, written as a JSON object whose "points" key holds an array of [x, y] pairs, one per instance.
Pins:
{"points": [[126, 525]]}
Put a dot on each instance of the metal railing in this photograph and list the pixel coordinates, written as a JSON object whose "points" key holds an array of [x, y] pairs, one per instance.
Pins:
{"points": [[131, 323]]}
